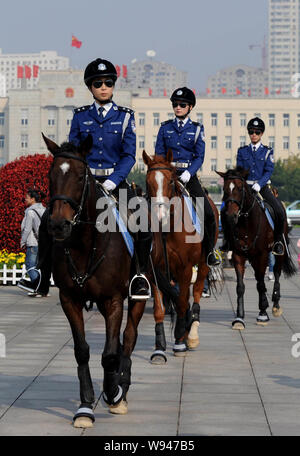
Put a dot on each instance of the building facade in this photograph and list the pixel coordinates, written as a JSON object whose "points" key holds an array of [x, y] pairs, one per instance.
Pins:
{"points": [[284, 47], [24, 114]]}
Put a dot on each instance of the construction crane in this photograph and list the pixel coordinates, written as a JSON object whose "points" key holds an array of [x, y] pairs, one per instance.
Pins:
{"points": [[264, 55]]}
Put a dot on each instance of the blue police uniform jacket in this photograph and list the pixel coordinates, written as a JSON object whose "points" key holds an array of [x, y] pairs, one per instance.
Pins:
{"points": [[187, 145], [114, 139], [259, 163]]}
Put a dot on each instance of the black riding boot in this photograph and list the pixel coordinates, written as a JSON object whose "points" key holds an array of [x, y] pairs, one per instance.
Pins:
{"points": [[210, 233], [44, 255], [139, 287]]}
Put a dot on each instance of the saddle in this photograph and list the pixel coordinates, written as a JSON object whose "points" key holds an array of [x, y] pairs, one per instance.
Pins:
{"points": [[267, 209]]}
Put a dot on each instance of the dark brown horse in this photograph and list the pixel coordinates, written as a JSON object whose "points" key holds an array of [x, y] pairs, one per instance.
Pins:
{"points": [[251, 238], [90, 266], [184, 249]]}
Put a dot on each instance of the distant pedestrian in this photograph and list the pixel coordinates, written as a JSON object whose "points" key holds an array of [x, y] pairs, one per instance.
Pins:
{"points": [[29, 234]]}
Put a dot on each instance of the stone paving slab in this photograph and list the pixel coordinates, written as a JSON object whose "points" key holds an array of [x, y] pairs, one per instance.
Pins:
{"points": [[235, 383]]}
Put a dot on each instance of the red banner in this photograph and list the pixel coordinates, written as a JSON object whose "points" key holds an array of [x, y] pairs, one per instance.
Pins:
{"points": [[118, 70], [19, 72], [124, 71], [267, 91], [35, 71], [165, 93], [223, 90], [75, 42], [208, 91], [150, 92], [27, 72], [237, 91]]}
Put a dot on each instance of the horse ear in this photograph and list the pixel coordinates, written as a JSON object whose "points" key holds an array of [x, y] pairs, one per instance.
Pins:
{"points": [[86, 145], [51, 145], [169, 156], [146, 158], [220, 174]]}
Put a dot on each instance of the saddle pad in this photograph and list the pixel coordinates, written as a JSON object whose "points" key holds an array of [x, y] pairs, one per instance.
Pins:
{"points": [[193, 213], [122, 227], [267, 212]]}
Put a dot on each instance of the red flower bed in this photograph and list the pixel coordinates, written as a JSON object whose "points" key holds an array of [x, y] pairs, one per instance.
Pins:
{"points": [[15, 179]]}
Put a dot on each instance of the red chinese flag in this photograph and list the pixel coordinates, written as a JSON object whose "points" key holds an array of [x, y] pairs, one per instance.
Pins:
{"points": [[237, 91], [267, 91], [75, 42], [19, 72], [278, 91], [124, 71], [118, 70], [223, 90], [249, 92], [207, 91], [165, 93], [27, 72], [35, 71], [150, 92]]}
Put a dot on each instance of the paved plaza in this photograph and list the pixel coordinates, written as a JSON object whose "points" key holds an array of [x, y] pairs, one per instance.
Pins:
{"points": [[235, 383]]}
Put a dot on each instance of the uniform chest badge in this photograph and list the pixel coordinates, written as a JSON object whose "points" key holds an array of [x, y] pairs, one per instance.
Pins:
{"points": [[88, 122]]}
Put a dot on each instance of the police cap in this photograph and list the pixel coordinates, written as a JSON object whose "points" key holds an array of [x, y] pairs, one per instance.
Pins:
{"points": [[98, 68], [256, 123], [184, 94]]}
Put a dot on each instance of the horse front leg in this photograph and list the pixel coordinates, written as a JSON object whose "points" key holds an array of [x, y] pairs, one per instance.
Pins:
{"points": [[111, 356], [182, 307], [260, 267], [193, 327], [84, 417], [159, 355], [277, 310], [239, 266]]}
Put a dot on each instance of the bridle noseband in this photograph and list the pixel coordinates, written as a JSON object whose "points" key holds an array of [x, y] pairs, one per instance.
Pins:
{"points": [[172, 182], [75, 206], [240, 204]]}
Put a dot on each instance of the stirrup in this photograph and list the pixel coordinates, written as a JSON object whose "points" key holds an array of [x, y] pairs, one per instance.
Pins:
{"points": [[273, 250], [217, 262], [146, 295]]}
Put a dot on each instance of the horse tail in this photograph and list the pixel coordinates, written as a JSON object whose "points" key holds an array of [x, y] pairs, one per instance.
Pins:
{"points": [[288, 266]]}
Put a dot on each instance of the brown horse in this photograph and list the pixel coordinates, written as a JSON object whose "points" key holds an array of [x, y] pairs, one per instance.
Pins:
{"points": [[251, 238], [181, 254], [90, 266]]}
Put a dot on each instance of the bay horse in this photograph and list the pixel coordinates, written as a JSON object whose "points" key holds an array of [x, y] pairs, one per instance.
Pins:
{"points": [[89, 265], [181, 256], [252, 238]]}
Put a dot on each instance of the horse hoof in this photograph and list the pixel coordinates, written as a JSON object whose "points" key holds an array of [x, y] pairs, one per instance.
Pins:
{"points": [[193, 338], [179, 354], [276, 312], [238, 324], [83, 422], [261, 323], [120, 409], [158, 359]]}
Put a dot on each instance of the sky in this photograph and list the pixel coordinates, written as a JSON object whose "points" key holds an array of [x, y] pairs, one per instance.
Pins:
{"points": [[196, 36]]}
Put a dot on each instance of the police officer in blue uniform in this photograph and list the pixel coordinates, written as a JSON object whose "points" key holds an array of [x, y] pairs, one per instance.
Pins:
{"points": [[186, 140], [259, 160], [113, 153]]}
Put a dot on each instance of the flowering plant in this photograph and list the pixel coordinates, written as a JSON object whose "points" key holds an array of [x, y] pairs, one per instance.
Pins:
{"points": [[11, 259]]}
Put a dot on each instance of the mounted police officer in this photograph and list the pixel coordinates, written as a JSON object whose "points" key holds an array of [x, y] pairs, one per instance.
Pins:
{"points": [[113, 153], [186, 140], [259, 161]]}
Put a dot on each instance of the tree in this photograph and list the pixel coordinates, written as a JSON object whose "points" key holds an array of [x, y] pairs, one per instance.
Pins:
{"points": [[138, 177], [286, 177], [15, 179]]}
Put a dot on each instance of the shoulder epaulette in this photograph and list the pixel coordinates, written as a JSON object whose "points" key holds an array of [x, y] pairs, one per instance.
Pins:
{"points": [[82, 108], [242, 147], [198, 124], [121, 108], [166, 122]]}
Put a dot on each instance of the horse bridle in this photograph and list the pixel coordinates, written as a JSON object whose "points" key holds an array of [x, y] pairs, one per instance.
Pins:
{"points": [[240, 204], [172, 182], [75, 206]]}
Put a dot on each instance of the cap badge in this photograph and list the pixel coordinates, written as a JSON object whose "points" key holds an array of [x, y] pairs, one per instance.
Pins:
{"points": [[101, 66], [255, 122], [179, 92]]}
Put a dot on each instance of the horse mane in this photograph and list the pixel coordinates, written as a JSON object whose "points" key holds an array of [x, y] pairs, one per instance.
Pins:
{"points": [[68, 147], [239, 171]]}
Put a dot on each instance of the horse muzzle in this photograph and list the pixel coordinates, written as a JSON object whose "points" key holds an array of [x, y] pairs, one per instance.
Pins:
{"points": [[60, 229]]}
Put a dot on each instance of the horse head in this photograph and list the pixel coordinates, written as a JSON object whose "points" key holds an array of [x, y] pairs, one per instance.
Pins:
{"points": [[68, 179], [236, 193], [161, 183]]}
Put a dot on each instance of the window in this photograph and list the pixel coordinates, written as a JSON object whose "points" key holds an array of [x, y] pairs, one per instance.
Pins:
{"points": [[243, 120], [227, 142], [69, 117], [199, 117], [1, 118], [213, 164], [154, 142], [242, 141], [156, 118], [228, 118], [2, 141], [286, 141], [52, 137], [227, 163], [298, 142], [298, 116], [286, 120], [271, 120], [272, 141], [141, 119], [170, 115], [24, 141], [141, 142], [141, 165], [213, 142], [24, 116], [51, 117], [214, 119]]}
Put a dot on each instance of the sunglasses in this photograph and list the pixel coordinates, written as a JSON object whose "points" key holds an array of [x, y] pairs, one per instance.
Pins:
{"points": [[254, 132], [182, 105], [107, 82]]}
